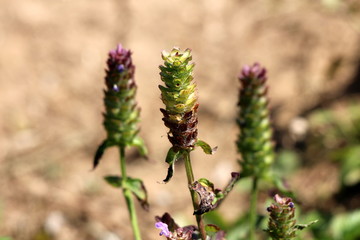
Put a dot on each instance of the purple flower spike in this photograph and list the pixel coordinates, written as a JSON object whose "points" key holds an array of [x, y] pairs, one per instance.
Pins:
{"points": [[164, 229], [291, 205]]}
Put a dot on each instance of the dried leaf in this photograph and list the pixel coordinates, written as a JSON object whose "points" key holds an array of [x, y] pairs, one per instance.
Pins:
{"points": [[209, 196]]}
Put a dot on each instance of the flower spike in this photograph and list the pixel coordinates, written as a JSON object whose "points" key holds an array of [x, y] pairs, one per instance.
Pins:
{"points": [[121, 112], [254, 142], [282, 224], [180, 99], [179, 94]]}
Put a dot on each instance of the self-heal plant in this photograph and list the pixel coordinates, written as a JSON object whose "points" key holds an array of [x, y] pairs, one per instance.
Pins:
{"points": [[255, 138], [282, 224], [180, 116], [120, 121], [254, 142], [121, 112]]}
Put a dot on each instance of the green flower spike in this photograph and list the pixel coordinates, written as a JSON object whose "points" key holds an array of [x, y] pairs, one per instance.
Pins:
{"points": [[282, 224], [254, 142], [122, 114], [180, 98]]}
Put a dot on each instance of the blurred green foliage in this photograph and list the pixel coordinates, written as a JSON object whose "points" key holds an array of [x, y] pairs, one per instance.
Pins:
{"points": [[335, 135], [334, 138]]}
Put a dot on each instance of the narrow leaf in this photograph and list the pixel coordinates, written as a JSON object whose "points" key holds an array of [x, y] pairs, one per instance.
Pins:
{"points": [[137, 187], [302, 226], [171, 158], [206, 147], [114, 181], [170, 172], [99, 152]]}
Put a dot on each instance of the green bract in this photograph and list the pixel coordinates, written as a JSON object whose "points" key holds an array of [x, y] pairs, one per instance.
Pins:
{"points": [[254, 142], [282, 224]]}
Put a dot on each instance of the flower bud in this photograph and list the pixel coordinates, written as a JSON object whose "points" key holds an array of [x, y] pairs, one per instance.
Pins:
{"points": [[282, 222]]}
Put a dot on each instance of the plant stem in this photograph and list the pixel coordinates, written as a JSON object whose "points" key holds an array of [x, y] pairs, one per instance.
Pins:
{"points": [[194, 196], [253, 204], [128, 196]]}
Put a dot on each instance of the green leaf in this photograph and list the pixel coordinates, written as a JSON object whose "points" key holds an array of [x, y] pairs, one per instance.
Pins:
{"points": [[114, 181], [350, 165], [206, 183], [346, 226], [137, 187], [205, 147], [302, 226], [214, 217], [140, 145], [5, 238], [214, 232], [99, 152], [211, 229], [171, 158]]}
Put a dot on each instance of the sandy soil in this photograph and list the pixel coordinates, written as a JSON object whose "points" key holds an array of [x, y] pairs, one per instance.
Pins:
{"points": [[52, 64]]}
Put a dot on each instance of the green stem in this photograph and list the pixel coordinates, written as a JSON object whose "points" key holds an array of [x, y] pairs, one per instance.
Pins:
{"points": [[194, 195], [128, 196], [253, 204]]}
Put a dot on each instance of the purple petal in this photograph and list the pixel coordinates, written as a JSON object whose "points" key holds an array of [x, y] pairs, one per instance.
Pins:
{"points": [[120, 68], [119, 48], [115, 88], [255, 69], [164, 229], [245, 71]]}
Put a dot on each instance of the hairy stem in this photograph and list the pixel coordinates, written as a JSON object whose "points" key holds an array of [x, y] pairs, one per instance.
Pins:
{"points": [[128, 196], [253, 204], [194, 196]]}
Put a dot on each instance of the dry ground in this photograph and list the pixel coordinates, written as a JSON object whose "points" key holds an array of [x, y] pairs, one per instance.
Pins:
{"points": [[52, 62]]}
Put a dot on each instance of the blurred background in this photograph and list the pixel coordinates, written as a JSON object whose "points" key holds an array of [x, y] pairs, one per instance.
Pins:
{"points": [[52, 62]]}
